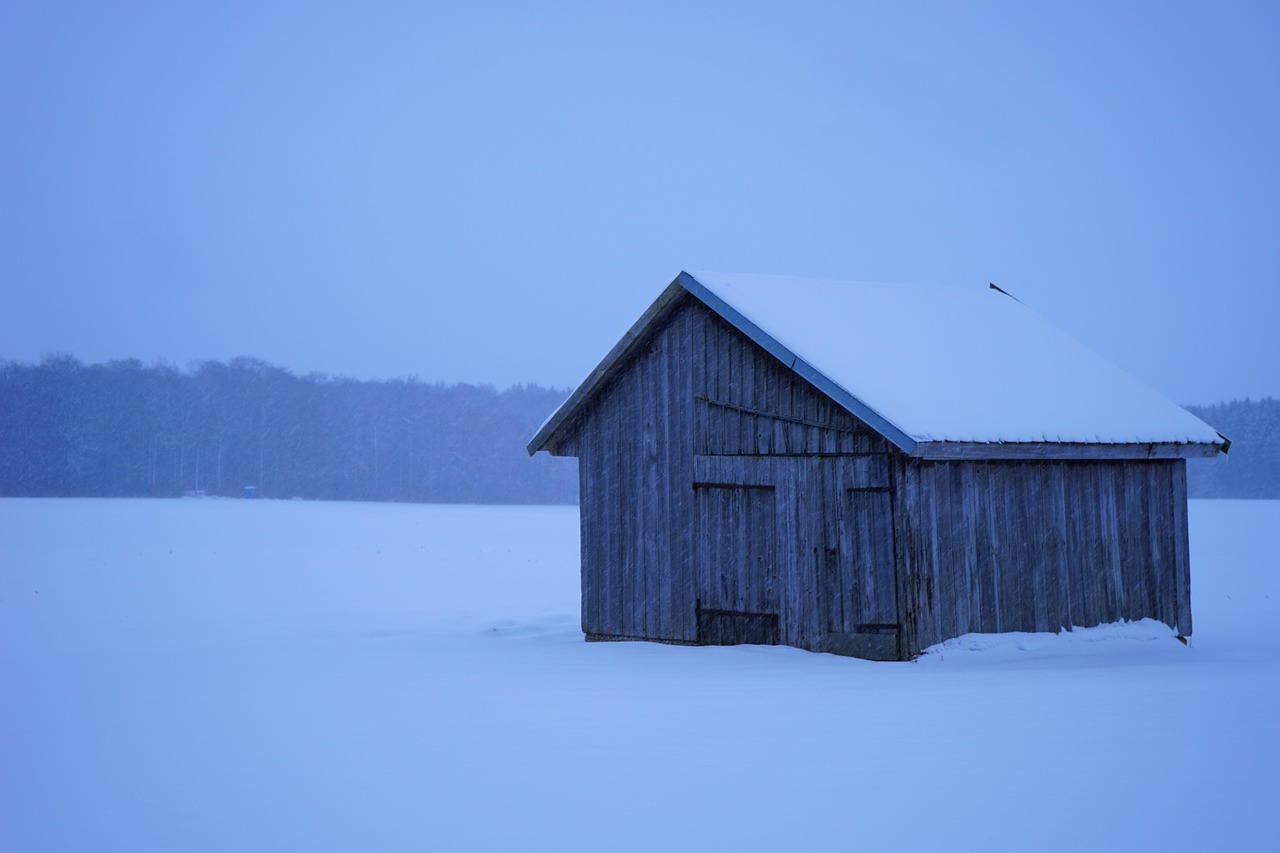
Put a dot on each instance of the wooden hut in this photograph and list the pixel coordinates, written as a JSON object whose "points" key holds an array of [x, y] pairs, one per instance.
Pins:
{"points": [[869, 470]]}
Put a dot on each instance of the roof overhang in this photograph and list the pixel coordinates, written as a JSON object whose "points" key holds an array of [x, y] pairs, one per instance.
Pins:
{"points": [[955, 450]]}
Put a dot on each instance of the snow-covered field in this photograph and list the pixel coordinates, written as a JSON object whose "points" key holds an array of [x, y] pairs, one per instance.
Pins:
{"points": [[221, 675]]}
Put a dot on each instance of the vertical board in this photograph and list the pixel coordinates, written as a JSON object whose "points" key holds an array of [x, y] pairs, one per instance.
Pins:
{"points": [[1181, 546], [866, 582]]}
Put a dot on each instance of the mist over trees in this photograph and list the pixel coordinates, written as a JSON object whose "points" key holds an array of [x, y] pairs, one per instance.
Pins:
{"points": [[1251, 468], [122, 429]]}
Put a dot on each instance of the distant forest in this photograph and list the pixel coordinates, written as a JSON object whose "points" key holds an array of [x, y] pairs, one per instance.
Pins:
{"points": [[1251, 468], [124, 429]]}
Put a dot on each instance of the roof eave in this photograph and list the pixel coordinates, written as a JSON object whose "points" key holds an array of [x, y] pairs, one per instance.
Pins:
{"points": [[961, 450]]}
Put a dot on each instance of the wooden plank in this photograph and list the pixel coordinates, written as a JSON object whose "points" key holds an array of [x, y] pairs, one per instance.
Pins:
{"points": [[1161, 531], [1022, 498], [960, 558], [609, 568], [649, 405], [670, 405], [1134, 546], [622, 484], [630, 458], [1094, 601], [1101, 591], [747, 395], [968, 550], [1080, 542], [920, 494], [792, 533], [816, 537], [801, 593], [917, 618], [836, 583], [1181, 548], [869, 547], [1110, 493], [596, 562], [933, 503], [1061, 563], [681, 369], [710, 385], [909, 641], [943, 450], [986, 550], [819, 421], [589, 503]]}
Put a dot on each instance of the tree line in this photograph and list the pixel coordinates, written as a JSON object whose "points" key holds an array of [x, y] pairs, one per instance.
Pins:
{"points": [[1251, 468], [124, 429]]}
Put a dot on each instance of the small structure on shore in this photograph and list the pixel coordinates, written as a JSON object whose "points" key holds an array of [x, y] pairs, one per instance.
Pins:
{"points": [[869, 470]]}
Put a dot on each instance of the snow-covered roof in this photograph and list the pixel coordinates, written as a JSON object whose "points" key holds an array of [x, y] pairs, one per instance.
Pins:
{"points": [[931, 366]]}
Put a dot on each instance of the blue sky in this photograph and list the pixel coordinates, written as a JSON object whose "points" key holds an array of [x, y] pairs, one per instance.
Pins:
{"points": [[492, 192]]}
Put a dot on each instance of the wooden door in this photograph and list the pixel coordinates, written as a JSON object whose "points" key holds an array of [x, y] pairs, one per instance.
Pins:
{"points": [[796, 550], [736, 564], [859, 598]]}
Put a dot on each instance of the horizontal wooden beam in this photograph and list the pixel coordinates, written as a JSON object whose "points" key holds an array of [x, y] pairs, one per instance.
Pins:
{"points": [[942, 450], [774, 416]]}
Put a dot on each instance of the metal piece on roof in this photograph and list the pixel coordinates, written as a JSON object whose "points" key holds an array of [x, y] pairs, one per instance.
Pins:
{"points": [[993, 286]]}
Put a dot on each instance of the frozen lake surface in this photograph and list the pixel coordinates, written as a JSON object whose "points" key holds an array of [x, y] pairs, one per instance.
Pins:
{"points": [[215, 675]]}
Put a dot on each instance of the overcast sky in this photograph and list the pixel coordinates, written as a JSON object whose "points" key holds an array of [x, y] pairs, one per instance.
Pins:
{"points": [[493, 192]]}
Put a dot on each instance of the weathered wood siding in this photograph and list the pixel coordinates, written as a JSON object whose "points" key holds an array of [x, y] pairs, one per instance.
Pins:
{"points": [[747, 402], [713, 481], [1039, 546], [635, 470]]}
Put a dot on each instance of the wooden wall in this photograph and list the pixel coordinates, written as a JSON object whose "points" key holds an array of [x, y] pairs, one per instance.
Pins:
{"points": [[1039, 546], [712, 481], [635, 469], [746, 402]]}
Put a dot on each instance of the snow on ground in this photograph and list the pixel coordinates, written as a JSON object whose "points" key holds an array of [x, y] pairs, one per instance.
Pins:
{"points": [[257, 675]]}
